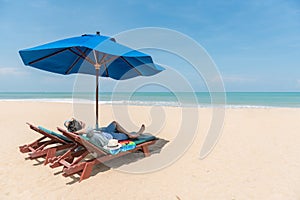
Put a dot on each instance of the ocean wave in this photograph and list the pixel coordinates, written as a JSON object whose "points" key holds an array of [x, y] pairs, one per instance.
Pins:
{"points": [[148, 103]]}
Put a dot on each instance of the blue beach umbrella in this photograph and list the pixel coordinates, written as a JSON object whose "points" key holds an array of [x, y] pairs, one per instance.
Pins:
{"points": [[92, 54]]}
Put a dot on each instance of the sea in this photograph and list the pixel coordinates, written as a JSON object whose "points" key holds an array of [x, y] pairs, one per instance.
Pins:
{"points": [[176, 99]]}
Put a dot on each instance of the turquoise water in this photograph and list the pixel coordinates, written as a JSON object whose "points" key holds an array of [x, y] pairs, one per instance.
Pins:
{"points": [[235, 99]]}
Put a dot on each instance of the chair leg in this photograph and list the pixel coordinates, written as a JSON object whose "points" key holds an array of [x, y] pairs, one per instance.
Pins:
{"points": [[30, 147], [50, 154], [34, 145], [24, 149], [37, 154], [86, 173], [78, 168], [146, 150], [55, 161]]}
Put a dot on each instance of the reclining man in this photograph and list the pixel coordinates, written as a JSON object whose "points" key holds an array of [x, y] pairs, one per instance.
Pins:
{"points": [[101, 137]]}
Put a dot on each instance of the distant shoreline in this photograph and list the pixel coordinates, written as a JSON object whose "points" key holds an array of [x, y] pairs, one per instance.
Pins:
{"points": [[180, 99], [164, 104]]}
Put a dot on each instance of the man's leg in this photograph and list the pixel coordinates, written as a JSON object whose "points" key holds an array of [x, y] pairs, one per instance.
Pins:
{"points": [[120, 129]]}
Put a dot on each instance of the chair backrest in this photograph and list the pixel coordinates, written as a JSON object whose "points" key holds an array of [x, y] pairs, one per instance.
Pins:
{"points": [[55, 134]]}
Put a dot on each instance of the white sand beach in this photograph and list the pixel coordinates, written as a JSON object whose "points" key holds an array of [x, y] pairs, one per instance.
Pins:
{"points": [[257, 157]]}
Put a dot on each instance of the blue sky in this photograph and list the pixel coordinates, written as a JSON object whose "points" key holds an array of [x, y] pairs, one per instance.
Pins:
{"points": [[255, 44]]}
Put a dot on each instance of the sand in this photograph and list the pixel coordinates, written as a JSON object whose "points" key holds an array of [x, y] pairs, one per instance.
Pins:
{"points": [[257, 157]]}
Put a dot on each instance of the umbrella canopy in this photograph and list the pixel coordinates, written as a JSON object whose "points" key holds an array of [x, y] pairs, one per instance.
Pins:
{"points": [[90, 54]]}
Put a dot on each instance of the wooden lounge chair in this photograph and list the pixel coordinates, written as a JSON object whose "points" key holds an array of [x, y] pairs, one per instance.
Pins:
{"points": [[47, 145], [72, 165]]}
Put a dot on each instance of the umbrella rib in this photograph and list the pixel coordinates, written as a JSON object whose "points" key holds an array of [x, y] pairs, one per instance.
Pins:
{"points": [[103, 57], [85, 58], [74, 63], [106, 70], [108, 60], [131, 66], [96, 56], [47, 56]]}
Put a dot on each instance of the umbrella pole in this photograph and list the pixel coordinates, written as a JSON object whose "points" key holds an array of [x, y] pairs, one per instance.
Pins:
{"points": [[97, 91]]}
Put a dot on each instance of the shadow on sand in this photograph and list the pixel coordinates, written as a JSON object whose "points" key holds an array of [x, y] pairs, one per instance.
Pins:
{"points": [[126, 159]]}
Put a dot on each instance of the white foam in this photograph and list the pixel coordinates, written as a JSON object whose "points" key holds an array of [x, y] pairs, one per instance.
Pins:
{"points": [[141, 103]]}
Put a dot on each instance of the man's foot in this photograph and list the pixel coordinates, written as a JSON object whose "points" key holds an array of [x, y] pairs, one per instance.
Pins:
{"points": [[142, 129]]}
